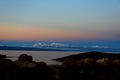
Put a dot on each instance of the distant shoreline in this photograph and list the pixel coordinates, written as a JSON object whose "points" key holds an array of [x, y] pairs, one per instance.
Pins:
{"points": [[10, 48], [29, 49]]}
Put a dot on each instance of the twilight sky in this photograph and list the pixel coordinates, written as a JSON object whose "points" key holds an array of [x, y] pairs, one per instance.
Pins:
{"points": [[59, 19]]}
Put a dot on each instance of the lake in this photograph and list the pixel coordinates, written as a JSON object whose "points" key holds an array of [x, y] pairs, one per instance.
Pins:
{"points": [[38, 56]]}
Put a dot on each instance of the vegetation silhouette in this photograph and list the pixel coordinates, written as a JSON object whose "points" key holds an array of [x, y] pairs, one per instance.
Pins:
{"points": [[84, 66]]}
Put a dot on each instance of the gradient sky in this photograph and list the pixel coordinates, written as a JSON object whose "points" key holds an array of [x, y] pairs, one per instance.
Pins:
{"points": [[59, 19]]}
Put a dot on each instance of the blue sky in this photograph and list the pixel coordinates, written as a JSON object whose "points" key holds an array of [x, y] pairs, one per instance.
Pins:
{"points": [[94, 19]]}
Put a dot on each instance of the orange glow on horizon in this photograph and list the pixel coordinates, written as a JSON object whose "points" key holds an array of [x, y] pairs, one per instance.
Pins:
{"points": [[13, 32]]}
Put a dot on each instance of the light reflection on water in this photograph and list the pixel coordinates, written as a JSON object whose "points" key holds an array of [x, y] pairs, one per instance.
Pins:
{"points": [[38, 56]]}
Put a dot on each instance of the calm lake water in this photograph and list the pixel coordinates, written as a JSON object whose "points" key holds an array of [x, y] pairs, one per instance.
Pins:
{"points": [[38, 56]]}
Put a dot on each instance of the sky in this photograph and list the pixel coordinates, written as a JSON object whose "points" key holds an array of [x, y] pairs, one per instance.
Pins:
{"points": [[59, 20]]}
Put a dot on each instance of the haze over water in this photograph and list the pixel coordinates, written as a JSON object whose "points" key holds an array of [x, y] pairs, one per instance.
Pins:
{"points": [[38, 56]]}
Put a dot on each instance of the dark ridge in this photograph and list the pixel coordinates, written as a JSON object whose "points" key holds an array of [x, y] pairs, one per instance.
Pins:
{"points": [[29, 49], [94, 55]]}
